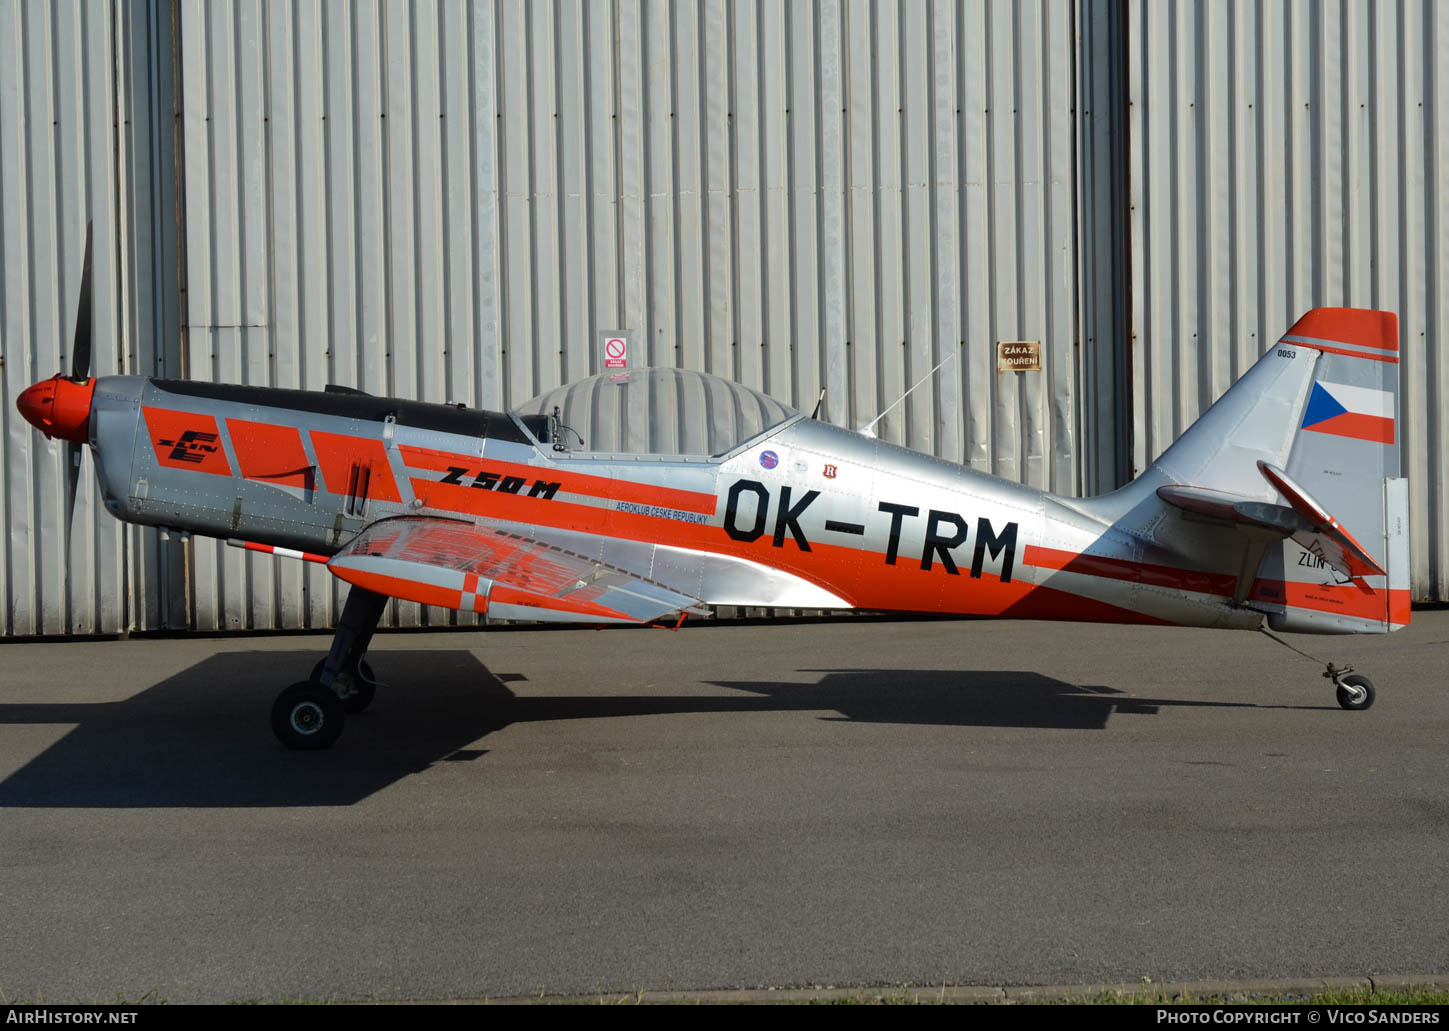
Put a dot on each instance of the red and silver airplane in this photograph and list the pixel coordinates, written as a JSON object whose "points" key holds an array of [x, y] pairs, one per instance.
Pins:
{"points": [[640, 495]]}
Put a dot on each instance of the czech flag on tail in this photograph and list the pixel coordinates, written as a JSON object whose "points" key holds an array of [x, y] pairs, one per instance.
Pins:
{"points": [[1362, 413]]}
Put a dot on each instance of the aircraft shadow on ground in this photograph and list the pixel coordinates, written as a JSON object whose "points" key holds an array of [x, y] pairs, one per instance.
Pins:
{"points": [[202, 737]]}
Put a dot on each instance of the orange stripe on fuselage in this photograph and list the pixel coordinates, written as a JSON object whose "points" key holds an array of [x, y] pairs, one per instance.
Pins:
{"points": [[1050, 603], [860, 577], [1341, 599], [337, 453], [571, 482], [1196, 581], [863, 579], [272, 454], [186, 440]]}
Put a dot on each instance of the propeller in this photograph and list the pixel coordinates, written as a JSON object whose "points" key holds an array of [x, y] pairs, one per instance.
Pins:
{"points": [[60, 407], [80, 372]]}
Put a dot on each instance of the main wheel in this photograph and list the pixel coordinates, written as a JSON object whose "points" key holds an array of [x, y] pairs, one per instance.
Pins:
{"points": [[1355, 692], [308, 716], [356, 692]]}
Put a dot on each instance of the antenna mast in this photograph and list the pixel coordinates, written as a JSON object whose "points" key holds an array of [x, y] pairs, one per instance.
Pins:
{"points": [[868, 430]]}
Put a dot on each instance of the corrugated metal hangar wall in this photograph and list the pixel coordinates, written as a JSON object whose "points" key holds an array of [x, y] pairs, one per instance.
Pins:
{"points": [[450, 201], [1287, 156]]}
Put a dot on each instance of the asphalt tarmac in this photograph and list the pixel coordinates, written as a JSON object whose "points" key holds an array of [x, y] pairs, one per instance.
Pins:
{"points": [[847, 803]]}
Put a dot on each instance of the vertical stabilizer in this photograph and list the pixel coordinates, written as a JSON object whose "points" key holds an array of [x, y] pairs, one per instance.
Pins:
{"points": [[1291, 482], [1346, 455]]}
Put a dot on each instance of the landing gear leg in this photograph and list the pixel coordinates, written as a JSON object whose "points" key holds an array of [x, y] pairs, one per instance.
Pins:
{"points": [[345, 670], [312, 713], [1354, 691]]}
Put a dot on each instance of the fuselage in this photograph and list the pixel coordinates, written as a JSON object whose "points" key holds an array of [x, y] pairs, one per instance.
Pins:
{"points": [[827, 517]]}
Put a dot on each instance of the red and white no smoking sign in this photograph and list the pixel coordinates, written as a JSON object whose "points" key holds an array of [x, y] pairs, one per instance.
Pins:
{"points": [[616, 352]]}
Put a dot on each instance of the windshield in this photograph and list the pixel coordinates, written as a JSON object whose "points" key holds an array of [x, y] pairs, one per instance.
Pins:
{"points": [[651, 412]]}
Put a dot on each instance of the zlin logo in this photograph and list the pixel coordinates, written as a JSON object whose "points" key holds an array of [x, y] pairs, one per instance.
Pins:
{"points": [[193, 446]]}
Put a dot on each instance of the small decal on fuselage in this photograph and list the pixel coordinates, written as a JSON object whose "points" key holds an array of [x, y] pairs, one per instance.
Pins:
{"points": [[635, 508], [193, 446]]}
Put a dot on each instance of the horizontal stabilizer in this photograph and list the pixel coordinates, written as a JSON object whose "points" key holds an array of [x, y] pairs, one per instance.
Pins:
{"points": [[1303, 519], [1234, 508]]}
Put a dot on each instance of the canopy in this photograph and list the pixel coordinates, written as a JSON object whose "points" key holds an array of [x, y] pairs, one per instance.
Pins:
{"points": [[652, 412]]}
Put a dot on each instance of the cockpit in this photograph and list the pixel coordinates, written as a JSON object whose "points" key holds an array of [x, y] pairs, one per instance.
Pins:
{"points": [[674, 412]]}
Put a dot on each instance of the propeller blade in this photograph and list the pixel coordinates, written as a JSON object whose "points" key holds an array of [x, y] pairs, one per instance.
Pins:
{"points": [[73, 453], [80, 352]]}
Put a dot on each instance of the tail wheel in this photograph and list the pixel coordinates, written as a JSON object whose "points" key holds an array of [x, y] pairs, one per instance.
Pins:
{"points": [[356, 692], [307, 716], [1355, 692]]}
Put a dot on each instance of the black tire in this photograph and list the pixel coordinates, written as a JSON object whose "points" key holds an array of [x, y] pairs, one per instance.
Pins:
{"points": [[1355, 692], [358, 694], [307, 716]]}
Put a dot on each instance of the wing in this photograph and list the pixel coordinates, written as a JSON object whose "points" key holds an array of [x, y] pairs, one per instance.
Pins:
{"points": [[509, 572]]}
